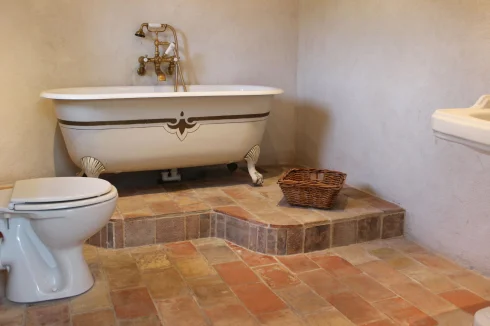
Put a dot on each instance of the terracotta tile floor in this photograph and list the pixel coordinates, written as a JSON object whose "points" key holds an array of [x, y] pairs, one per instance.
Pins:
{"points": [[213, 282]]}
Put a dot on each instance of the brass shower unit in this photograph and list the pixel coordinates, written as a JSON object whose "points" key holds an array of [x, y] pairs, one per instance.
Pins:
{"points": [[158, 60]]}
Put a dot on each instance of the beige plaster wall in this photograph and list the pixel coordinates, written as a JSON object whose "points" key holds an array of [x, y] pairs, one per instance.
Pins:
{"points": [[370, 75], [66, 43]]}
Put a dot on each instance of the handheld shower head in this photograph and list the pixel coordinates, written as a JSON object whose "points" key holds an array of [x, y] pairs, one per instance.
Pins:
{"points": [[140, 32]]}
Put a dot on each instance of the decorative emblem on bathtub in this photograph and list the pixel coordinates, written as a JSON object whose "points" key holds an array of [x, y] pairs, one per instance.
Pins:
{"points": [[182, 128]]}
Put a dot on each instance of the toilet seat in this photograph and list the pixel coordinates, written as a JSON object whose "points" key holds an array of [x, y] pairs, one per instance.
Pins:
{"points": [[66, 204], [49, 190], [59, 193]]}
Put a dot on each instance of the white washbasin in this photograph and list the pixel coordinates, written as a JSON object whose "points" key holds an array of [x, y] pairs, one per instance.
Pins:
{"points": [[469, 127]]}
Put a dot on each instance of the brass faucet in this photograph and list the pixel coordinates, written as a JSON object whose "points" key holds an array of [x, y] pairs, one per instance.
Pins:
{"points": [[158, 60]]}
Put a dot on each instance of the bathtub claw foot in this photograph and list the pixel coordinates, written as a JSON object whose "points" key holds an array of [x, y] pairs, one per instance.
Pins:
{"points": [[91, 167], [252, 157]]}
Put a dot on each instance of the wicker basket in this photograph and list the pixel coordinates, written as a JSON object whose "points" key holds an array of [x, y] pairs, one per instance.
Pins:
{"points": [[311, 187]]}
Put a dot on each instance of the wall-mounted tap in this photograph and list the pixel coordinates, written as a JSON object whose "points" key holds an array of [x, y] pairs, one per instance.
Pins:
{"points": [[158, 60]]}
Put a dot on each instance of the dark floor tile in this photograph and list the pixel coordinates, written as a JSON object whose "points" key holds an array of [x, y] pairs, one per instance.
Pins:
{"points": [[393, 225], [205, 225], [317, 238], [368, 229], [262, 239], [281, 241], [237, 231], [170, 229], [295, 240], [220, 225], [271, 248], [192, 227], [253, 238], [344, 233], [139, 232]]}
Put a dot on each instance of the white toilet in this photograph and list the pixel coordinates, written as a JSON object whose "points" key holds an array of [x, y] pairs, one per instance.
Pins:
{"points": [[44, 223]]}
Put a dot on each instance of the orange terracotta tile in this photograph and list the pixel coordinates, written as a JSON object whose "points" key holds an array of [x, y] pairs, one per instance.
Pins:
{"points": [[56, 314], [276, 276], [404, 313], [433, 281], [383, 273], [165, 284], [235, 211], [404, 245], [473, 282], [217, 201], [384, 322], [302, 299], [354, 254], [422, 298], [355, 308], [277, 218], [180, 250], [466, 300], [157, 196], [132, 203], [437, 263], [181, 311], [10, 313], [298, 263], [132, 303], [217, 253], [323, 283], [212, 291], [151, 320], [253, 259], [196, 207], [258, 298], [330, 317], [230, 315], [185, 198], [101, 317], [395, 258], [367, 288], [258, 206], [335, 265], [280, 318], [236, 273], [455, 318], [165, 207], [194, 267], [239, 193]]}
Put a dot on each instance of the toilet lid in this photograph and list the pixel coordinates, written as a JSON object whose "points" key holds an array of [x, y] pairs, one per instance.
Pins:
{"points": [[51, 190]]}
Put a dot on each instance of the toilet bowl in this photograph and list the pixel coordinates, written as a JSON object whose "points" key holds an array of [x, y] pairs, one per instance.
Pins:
{"points": [[44, 224], [482, 317]]}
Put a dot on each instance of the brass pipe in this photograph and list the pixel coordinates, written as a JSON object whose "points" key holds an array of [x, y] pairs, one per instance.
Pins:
{"points": [[157, 60]]}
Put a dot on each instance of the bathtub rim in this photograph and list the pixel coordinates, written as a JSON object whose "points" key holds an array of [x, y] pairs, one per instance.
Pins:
{"points": [[134, 92]]}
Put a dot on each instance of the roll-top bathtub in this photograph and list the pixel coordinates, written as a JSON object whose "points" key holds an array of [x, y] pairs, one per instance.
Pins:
{"points": [[136, 128]]}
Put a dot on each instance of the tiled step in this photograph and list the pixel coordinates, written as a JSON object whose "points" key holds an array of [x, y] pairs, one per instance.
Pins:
{"points": [[256, 218]]}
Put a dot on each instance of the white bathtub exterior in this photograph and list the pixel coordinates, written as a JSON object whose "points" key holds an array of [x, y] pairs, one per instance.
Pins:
{"points": [[130, 128]]}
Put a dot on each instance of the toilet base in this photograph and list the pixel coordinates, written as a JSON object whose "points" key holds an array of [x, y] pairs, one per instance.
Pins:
{"points": [[482, 317], [76, 278], [36, 273], [40, 297]]}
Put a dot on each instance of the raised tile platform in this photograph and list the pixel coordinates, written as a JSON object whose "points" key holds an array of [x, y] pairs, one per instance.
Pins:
{"points": [[217, 204]]}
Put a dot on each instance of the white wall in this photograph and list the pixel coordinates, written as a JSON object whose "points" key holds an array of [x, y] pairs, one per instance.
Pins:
{"points": [[370, 74], [65, 43]]}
